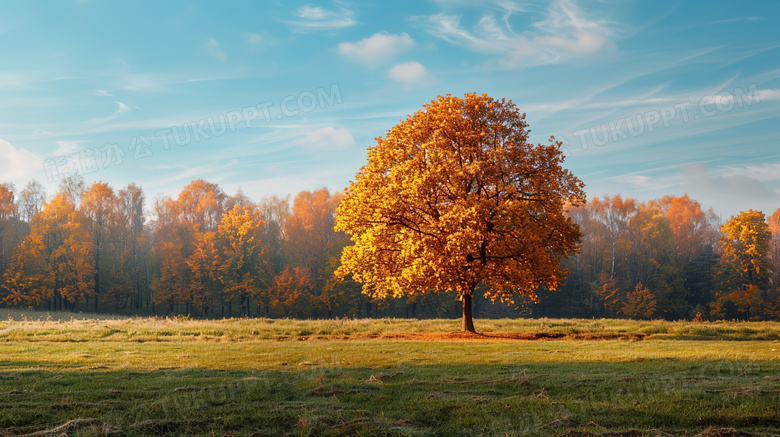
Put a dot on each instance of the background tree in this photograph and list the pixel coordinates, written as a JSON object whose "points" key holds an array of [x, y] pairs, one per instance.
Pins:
{"points": [[310, 240], [171, 246], [8, 226], [275, 211], [54, 264], [454, 197], [244, 267], [613, 214], [277, 258], [773, 300], [291, 293], [180, 234], [745, 263], [71, 187], [31, 200], [132, 242], [98, 206], [640, 303]]}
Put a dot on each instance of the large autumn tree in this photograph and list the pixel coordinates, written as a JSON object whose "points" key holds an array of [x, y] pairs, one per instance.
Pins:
{"points": [[455, 197]]}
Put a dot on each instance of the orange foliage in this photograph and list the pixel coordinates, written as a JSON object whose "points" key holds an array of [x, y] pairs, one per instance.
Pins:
{"points": [[54, 262], [745, 246], [7, 205], [640, 303], [292, 291], [455, 196], [693, 228]]}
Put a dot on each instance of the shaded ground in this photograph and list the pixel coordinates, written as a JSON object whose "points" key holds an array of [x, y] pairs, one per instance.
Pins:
{"points": [[240, 377], [573, 399]]}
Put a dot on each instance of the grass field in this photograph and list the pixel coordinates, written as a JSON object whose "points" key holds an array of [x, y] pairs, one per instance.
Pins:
{"points": [[75, 375]]}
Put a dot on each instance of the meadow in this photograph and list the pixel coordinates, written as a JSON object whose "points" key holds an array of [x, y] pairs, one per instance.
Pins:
{"points": [[74, 374]]}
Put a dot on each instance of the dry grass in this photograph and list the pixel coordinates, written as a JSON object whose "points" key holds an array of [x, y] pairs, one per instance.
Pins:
{"points": [[32, 326]]}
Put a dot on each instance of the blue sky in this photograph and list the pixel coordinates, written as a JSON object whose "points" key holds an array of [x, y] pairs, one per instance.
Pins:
{"points": [[650, 98]]}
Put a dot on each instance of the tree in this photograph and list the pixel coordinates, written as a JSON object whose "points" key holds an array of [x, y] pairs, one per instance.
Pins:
{"points": [[54, 263], [693, 228], [745, 263], [309, 234], [72, 186], [244, 266], [7, 205], [31, 200], [614, 214], [455, 196], [292, 292], [774, 227], [201, 204], [8, 217], [98, 205], [130, 224], [640, 303]]}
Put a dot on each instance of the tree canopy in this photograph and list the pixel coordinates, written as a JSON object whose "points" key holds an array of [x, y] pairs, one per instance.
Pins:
{"points": [[455, 197]]}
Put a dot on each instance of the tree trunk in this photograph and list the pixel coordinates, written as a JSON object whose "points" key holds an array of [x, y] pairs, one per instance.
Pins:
{"points": [[468, 322]]}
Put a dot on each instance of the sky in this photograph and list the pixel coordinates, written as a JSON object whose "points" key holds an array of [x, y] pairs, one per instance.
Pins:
{"points": [[649, 98]]}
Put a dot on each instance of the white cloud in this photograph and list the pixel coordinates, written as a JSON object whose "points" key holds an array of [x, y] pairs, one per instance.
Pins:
{"points": [[722, 100], [728, 190], [410, 73], [378, 48], [123, 107], [763, 172], [637, 181], [101, 93], [212, 47], [769, 94], [565, 32], [314, 18], [67, 147], [327, 138], [17, 164]]}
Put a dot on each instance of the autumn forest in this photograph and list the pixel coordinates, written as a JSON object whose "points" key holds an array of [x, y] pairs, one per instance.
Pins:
{"points": [[209, 254]]}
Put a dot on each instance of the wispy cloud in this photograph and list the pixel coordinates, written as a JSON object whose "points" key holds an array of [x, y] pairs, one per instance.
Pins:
{"points": [[565, 32], [327, 138], [144, 82], [763, 172], [101, 93], [769, 94], [377, 49], [732, 20], [254, 38], [67, 147], [315, 18], [123, 107], [212, 47]]}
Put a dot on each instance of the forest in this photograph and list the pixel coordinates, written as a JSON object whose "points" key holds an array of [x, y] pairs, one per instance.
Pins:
{"points": [[208, 254]]}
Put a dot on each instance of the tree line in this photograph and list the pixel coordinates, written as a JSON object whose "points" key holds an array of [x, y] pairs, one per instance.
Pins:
{"points": [[210, 254]]}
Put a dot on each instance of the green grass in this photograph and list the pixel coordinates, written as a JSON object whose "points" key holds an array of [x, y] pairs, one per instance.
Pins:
{"points": [[387, 377]]}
